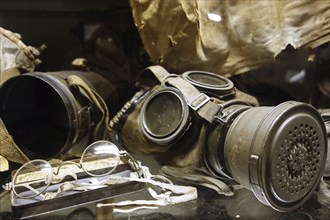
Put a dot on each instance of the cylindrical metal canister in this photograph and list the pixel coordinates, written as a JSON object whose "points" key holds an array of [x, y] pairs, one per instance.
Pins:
{"points": [[45, 116], [279, 153]]}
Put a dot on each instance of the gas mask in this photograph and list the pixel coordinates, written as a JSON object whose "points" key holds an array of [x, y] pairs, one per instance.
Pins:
{"points": [[200, 120]]}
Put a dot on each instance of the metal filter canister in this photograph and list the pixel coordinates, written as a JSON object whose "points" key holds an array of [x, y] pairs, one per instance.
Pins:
{"points": [[279, 153], [45, 117], [213, 154]]}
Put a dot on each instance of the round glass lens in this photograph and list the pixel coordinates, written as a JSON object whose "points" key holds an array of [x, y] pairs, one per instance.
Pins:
{"points": [[208, 79], [163, 114], [100, 158], [32, 178]]}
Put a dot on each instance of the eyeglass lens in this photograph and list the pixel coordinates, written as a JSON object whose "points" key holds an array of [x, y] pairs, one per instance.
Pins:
{"points": [[100, 158], [32, 178]]}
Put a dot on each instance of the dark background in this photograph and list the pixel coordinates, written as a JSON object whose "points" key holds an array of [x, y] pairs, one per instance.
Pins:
{"points": [[65, 27]]}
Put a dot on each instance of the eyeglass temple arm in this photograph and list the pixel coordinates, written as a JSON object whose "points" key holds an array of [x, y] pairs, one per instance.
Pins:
{"points": [[134, 162], [9, 186]]}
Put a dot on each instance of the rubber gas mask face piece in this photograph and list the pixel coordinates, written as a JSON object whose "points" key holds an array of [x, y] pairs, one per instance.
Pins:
{"points": [[166, 113], [277, 152]]}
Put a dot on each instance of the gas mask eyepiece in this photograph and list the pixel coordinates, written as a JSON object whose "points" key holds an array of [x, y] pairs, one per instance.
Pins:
{"points": [[210, 84], [165, 116]]}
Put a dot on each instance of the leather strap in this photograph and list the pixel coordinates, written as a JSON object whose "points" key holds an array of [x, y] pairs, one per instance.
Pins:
{"points": [[170, 193], [197, 100], [96, 100], [200, 179]]}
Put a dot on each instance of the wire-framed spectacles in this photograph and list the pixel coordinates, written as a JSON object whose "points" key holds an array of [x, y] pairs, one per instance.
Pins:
{"points": [[33, 178]]}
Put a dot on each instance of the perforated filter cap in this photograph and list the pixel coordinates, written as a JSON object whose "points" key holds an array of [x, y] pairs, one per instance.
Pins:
{"points": [[278, 152], [297, 158]]}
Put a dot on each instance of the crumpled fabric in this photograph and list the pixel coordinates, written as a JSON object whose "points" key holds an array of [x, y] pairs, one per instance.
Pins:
{"points": [[101, 127], [227, 37], [323, 195], [14, 57], [15, 54], [8, 148], [9, 73], [4, 165]]}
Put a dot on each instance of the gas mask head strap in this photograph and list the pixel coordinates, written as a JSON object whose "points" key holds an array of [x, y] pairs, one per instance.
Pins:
{"points": [[198, 101]]}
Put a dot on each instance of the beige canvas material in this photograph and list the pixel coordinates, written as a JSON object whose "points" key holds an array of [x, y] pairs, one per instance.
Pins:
{"points": [[4, 165], [14, 53], [8, 148], [101, 127], [9, 73], [227, 37], [15, 56]]}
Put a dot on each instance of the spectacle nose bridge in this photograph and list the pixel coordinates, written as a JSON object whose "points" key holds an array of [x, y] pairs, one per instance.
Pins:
{"points": [[57, 170], [57, 179]]}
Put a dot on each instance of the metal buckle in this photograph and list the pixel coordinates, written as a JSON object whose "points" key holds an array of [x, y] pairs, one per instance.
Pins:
{"points": [[84, 118], [199, 101]]}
